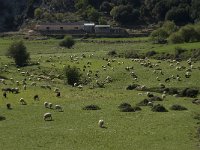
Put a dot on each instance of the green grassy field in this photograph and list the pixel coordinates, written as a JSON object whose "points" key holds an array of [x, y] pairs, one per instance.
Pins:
{"points": [[74, 128]]}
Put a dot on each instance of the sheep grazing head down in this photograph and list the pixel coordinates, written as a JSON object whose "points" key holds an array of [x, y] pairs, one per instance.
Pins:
{"points": [[101, 123]]}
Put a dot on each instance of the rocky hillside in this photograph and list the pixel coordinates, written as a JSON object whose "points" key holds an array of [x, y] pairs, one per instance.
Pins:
{"points": [[14, 13]]}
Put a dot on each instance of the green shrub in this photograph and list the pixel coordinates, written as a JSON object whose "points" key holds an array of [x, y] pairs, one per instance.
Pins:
{"points": [[68, 42], [178, 107], [91, 107], [176, 38], [126, 107], [159, 108], [72, 75], [159, 35], [188, 33], [112, 53], [18, 52]]}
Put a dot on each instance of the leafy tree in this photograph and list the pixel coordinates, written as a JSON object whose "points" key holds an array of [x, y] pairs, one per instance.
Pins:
{"points": [[38, 13], [72, 75], [178, 15], [68, 42], [18, 52], [92, 14]]}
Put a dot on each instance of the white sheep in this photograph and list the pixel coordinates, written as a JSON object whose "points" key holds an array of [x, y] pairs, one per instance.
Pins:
{"points": [[47, 116], [46, 104], [150, 104], [22, 101], [58, 107], [33, 84], [50, 105], [101, 123]]}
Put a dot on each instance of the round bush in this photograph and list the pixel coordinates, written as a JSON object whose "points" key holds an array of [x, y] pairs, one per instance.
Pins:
{"points": [[125, 107], [91, 107], [177, 107], [68, 42], [132, 86], [159, 108]]}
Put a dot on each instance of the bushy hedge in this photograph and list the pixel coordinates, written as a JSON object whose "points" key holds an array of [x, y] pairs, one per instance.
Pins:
{"points": [[68, 42]]}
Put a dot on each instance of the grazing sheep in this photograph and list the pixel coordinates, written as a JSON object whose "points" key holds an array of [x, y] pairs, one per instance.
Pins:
{"points": [[150, 104], [59, 108], [58, 94], [46, 104], [22, 101], [17, 82], [8, 106], [36, 97], [4, 94], [50, 105], [47, 116], [24, 87], [80, 86], [33, 84], [15, 90], [56, 90], [101, 123]]}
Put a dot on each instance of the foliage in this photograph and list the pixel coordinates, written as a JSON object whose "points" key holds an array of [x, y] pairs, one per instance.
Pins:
{"points": [[18, 52], [126, 107], [91, 107], [178, 107], [68, 42], [72, 75], [38, 13], [159, 108]]}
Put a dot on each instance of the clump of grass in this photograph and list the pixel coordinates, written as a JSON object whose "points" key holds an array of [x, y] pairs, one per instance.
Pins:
{"points": [[159, 108], [91, 107], [178, 107], [126, 107]]}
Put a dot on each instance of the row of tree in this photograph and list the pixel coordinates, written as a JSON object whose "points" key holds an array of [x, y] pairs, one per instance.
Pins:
{"points": [[15, 12]]}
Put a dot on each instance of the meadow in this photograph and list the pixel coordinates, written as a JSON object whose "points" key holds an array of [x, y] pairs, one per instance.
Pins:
{"points": [[75, 128]]}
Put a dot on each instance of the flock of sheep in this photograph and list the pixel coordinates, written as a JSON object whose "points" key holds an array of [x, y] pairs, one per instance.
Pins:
{"points": [[90, 74]]}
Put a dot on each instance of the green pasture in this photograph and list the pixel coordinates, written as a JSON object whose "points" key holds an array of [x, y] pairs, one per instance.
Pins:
{"points": [[77, 129]]}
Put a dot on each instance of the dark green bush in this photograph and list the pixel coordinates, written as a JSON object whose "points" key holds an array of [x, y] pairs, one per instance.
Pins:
{"points": [[91, 107], [18, 52], [176, 38], [72, 75], [178, 107], [132, 86], [126, 107], [68, 42], [159, 108], [188, 92], [112, 53]]}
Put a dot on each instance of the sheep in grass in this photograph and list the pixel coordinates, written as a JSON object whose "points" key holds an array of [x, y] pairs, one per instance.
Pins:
{"points": [[58, 108], [36, 97], [47, 117], [150, 104], [8, 106], [33, 84], [58, 94], [22, 101], [50, 105], [24, 87], [4, 94], [46, 104], [101, 123]]}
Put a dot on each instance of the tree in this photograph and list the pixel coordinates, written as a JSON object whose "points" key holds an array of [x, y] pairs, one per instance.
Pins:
{"points": [[18, 52], [38, 13], [68, 42], [72, 75]]}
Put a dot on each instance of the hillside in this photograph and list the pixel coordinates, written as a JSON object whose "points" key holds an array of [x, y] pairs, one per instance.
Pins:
{"points": [[15, 13]]}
